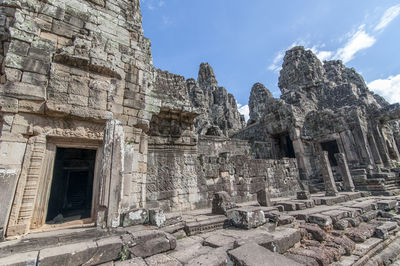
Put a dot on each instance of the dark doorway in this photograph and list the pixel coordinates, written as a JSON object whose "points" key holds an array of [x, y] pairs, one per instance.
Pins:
{"points": [[285, 146], [72, 185], [332, 148]]}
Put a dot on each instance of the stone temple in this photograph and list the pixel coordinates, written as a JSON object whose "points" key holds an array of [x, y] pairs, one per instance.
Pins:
{"points": [[105, 159]]}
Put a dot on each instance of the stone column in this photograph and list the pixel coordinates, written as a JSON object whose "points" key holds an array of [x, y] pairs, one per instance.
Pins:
{"points": [[380, 142], [330, 185], [345, 172], [263, 197], [361, 140], [112, 177]]}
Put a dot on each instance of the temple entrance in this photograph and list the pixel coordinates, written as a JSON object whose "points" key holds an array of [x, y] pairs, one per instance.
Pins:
{"points": [[72, 185], [332, 148], [284, 145]]}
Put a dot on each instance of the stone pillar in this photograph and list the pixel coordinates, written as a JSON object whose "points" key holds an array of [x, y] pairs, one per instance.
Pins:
{"points": [[374, 149], [303, 162], [112, 174], [345, 172], [361, 141], [330, 185], [380, 142], [263, 197]]}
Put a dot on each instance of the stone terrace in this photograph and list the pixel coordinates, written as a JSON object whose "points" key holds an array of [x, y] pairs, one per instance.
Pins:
{"points": [[350, 229]]}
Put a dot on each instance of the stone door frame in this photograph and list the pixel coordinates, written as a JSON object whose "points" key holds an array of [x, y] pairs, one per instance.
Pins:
{"points": [[44, 189]]}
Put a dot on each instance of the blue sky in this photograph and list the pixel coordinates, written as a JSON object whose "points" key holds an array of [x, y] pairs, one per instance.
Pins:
{"points": [[244, 41]]}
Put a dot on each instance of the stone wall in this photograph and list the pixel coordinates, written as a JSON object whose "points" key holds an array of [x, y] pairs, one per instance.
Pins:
{"points": [[185, 178], [77, 74]]}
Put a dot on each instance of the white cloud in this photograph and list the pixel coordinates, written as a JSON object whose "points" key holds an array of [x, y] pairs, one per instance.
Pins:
{"points": [[324, 55], [388, 88], [387, 17], [244, 110], [355, 42], [153, 4], [359, 41], [276, 65]]}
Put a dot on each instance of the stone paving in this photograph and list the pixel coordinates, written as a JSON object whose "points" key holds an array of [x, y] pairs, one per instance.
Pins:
{"points": [[351, 228]]}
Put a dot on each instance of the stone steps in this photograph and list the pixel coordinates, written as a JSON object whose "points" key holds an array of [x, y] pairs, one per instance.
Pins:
{"points": [[136, 242]]}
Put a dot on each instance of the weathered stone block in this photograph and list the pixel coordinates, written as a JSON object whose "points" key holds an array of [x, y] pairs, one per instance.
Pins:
{"points": [[25, 91], [135, 217], [316, 232], [219, 240], [28, 258], [386, 205], [247, 218], [108, 249], [73, 254], [263, 197], [303, 195], [157, 217], [221, 203], [162, 259], [282, 240], [149, 242], [35, 79], [321, 220], [341, 225], [8, 104], [382, 231], [285, 219], [253, 254]]}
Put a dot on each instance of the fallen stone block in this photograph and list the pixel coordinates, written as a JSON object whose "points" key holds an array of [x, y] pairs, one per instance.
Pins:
{"points": [[162, 259], [361, 234], [303, 260], [308, 203], [341, 225], [368, 216], [354, 222], [345, 242], [288, 206], [364, 206], [108, 249], [316, 232], [285, 219], [188, 253], [73, 254], [27, 258], [282, 240], [261, 239], [247, 218], [217, 257], [157, 217], [335, 215], [317, 254], [263, 197], [383, 230], [221, 203], [272, 216], [148, 242], [386, 205], [303, 195], [219, 240], [254, 255], [135, 217], [323, 221], [300, 206]]}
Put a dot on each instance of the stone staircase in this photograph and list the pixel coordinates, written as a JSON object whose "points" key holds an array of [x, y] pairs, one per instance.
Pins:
{"points": [[385, 183]]}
